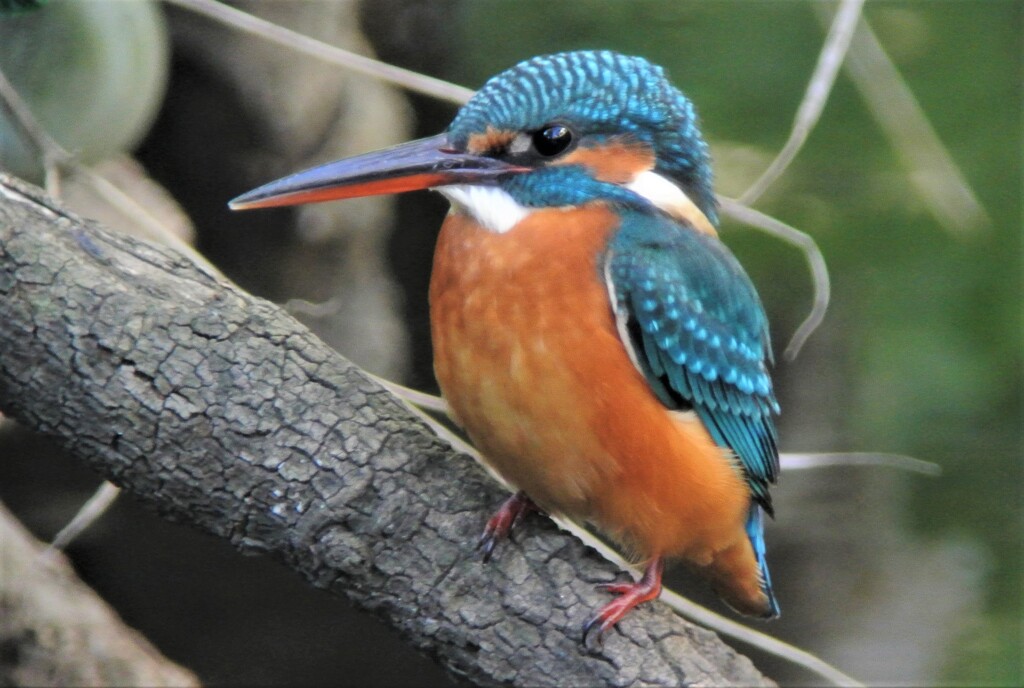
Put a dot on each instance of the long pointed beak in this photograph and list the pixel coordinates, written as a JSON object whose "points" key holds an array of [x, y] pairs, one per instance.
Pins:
{"points": [[408, 167]]}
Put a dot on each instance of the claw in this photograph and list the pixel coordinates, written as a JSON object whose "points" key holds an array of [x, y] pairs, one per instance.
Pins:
{"points": [[486, 543], [629, 596], [501, 523], [615, 588], [594, 642]]}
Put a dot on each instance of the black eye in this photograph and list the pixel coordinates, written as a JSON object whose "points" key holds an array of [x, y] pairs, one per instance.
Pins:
{"points": [[552, 140]]}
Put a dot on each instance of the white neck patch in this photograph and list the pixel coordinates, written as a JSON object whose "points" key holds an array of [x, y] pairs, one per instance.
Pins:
{"points": [[498, 212], [670, 198], [493, 208]]}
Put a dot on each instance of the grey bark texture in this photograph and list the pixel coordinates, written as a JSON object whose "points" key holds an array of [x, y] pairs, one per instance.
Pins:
{"points": [[219, 410], [55, 631]]}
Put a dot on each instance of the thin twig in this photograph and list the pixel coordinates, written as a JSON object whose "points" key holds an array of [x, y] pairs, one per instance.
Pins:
{"points": [[791, 462], [314, 309], [88, 514], [818, 89], [815, 261], [253, 25], [709, 619], [55, 158], [422, 400], [932, 172], [744, 634], [51, 154], [145, 221]]}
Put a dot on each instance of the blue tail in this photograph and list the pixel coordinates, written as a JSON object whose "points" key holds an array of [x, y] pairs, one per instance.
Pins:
{"points": [[755, 531]]}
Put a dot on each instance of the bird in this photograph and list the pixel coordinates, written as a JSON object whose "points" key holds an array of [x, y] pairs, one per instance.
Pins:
{"points": [[593, 336]]}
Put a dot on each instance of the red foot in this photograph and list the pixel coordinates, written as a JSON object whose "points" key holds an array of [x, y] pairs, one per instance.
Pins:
{"points": [[503, 520], [630, 595]]}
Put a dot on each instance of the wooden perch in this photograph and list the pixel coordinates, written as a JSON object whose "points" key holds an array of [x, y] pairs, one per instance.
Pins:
{"points": [[219, 410], [55, 631]]}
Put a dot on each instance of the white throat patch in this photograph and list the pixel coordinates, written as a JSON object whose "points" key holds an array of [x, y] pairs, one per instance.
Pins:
{"points": [[493, 208], [670, 198], [498, 212]]}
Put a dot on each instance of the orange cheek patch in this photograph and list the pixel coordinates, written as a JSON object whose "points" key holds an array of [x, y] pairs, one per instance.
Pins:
{"points": [[490, 141], [616, 161]]}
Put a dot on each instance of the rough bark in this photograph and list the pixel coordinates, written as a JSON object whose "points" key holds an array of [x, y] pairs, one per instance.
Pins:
{"points": [[221, 411], [55, 631]]}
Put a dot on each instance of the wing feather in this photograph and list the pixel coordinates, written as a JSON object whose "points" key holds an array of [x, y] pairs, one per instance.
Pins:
{"points": [[697, 329]]}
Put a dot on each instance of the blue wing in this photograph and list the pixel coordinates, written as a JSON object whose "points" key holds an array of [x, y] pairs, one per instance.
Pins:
{"points": [[699, 335]]}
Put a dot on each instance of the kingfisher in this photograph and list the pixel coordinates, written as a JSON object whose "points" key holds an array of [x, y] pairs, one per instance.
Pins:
{"points": [[599, 344]]}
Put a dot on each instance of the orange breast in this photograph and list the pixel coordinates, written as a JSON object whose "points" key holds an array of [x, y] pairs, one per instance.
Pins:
{"points": [[529, 359]]}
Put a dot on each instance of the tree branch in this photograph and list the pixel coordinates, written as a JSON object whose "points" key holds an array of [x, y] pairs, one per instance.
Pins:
{"points": [[55, 631], [219, 410]]}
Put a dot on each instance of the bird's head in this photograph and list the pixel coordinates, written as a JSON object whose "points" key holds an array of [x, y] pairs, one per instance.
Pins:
{"points": [[553, 131]]}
